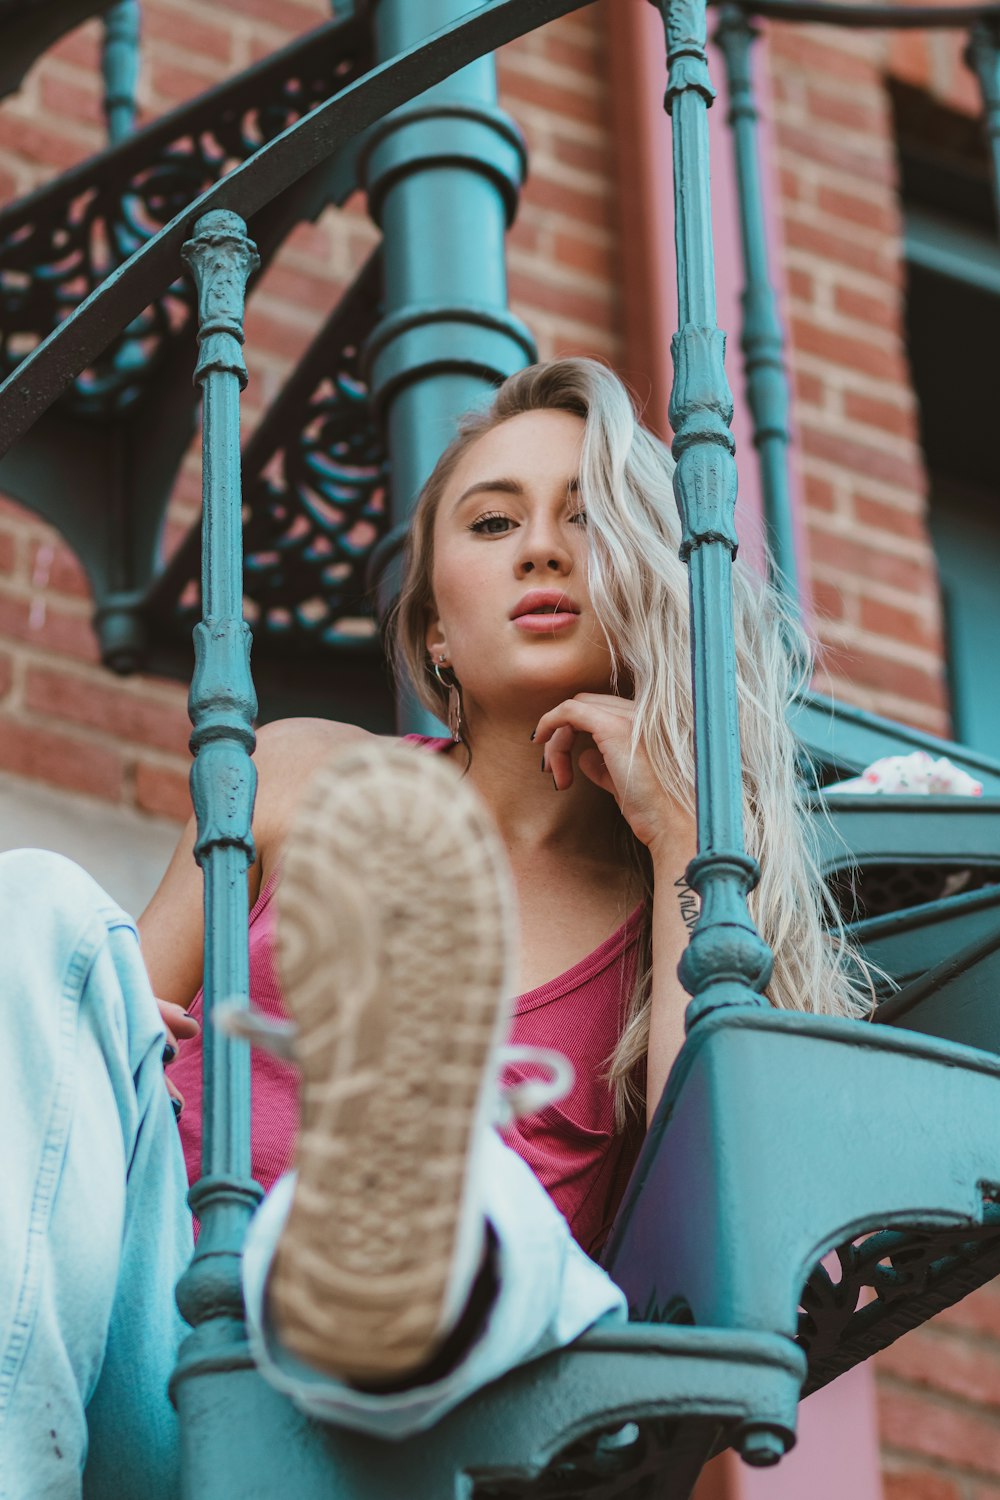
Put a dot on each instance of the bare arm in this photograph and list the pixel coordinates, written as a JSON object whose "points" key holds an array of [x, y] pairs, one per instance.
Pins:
{"points": [[675, 911], [172, 926]]}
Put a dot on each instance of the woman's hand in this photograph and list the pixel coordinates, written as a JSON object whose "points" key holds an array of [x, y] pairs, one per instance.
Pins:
{"points": [[653, 815], [180, 1027]]}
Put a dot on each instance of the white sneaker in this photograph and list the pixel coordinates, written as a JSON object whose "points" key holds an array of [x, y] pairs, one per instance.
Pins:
{"points": [[396, 929]]}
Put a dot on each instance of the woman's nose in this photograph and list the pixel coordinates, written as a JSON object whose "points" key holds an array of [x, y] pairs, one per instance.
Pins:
{"points": [[543, 555]]}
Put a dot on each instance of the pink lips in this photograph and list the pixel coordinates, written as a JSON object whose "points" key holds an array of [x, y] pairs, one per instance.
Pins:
{"points": [[544, 611]]}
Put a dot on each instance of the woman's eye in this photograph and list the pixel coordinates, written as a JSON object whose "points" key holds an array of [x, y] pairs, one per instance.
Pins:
{"points": [[580, 518], [493, 524]]}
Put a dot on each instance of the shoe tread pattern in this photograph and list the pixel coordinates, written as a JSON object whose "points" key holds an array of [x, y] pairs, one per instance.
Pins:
{"points": [[395, 921]]}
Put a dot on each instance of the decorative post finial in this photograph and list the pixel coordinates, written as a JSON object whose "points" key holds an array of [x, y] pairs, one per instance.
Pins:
{"points": [[687, 49], [221, 259]]}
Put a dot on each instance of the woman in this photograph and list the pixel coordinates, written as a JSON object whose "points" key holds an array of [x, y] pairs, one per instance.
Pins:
{"points": [[544, 610]]}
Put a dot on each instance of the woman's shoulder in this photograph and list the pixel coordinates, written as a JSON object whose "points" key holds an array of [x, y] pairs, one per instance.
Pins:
{"points": [[303, 743], [288, 753]]}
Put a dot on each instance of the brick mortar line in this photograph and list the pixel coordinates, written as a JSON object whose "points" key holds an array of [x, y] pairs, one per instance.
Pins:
{"points": [[162, 691], [542, 269], [940, 1467], [966, 1405], [589, 82], [869, 283], [916, 711], [879, 490], [823, 468], [898, 444], [33, 718], [836, 636], [871, 590]]}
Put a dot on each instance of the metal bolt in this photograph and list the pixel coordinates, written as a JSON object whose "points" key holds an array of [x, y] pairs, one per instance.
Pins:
{"points": [[763, 1447]]}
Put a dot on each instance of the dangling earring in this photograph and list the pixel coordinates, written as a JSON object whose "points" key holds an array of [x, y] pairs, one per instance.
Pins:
{"points": [[454, 700]]}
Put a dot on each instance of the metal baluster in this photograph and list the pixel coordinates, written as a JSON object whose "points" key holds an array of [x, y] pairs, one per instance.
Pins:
{"points": [[762, 340], [726, 962], [122, 631], [983, 57], [120, 66], [222, 706]]}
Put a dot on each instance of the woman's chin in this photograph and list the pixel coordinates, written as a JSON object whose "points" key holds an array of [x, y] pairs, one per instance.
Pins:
{"points": [[553, 682]]}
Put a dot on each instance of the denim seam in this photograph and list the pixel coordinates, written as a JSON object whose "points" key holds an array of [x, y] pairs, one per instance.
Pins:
{"points": [[83, 952]]}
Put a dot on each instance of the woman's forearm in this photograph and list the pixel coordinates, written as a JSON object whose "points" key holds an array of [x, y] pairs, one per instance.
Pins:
{"points": [[675, 911]]}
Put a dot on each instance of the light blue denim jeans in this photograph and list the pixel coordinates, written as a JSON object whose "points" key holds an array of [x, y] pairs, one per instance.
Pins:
{"points": [[95, 1229]]}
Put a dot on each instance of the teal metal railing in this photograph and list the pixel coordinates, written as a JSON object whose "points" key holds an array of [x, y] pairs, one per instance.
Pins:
{"points": [[762, 340], [726, 962], [223, 707]]}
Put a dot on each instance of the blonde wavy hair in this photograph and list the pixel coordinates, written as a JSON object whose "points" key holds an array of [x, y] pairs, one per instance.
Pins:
{"points": [[639, 592]]}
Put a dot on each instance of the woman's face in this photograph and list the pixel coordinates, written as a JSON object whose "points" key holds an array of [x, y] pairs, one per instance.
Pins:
{"points": [[514, 618]]}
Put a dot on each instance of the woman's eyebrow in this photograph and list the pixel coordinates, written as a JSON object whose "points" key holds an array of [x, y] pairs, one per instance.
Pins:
{"points": [[502, 487], [490, 487]]}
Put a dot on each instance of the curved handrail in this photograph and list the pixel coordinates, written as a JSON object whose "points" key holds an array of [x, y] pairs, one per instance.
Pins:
{"points": [[50, 368], [121, 160], [872, 17]]}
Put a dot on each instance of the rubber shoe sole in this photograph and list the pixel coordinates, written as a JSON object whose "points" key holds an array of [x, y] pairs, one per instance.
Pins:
{"points": [[395, 929]]}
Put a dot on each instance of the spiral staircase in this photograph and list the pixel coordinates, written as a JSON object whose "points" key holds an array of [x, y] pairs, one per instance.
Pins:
{"points": [[765, 1246]]}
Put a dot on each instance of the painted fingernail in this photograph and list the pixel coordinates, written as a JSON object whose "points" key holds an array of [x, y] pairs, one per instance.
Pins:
{"points": [[178, 1107], [532, 734], [169, 1053], [555, 784], [543, 762]]}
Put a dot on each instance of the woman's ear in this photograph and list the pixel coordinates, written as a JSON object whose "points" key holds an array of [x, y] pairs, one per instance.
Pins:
{"points": [[434, 638]]}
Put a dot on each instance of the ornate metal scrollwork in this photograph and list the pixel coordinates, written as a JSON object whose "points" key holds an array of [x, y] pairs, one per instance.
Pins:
{"points": [[315, 476], [889, 1282], [59, 244], [628, 1464]]}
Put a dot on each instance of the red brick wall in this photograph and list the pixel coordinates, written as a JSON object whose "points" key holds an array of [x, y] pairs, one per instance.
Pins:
{"points": [[65, 720], [855, 415]]}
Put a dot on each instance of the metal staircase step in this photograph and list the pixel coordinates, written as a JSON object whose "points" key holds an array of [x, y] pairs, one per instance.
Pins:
{"points": [[534, 1435], [842, 740], [910, 943], [782, 1137]]}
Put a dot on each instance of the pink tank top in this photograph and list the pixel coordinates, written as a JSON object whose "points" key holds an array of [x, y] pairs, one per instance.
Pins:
{"points": [[571, 1146]]}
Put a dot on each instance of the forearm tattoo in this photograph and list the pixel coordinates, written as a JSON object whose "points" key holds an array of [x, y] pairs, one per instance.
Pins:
{"points": [[690, 904]]}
